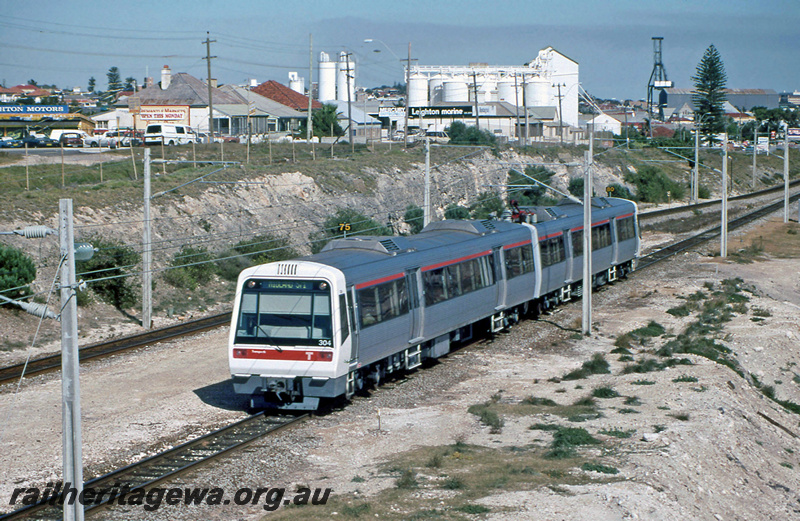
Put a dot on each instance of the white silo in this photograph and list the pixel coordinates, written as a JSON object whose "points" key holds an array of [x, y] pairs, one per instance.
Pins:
{"points": [[297, 83], [487, 90], [509, 91], [435, 86], [418, 90], [455, 90], [537, 92], [346, 66], [327, 78]]}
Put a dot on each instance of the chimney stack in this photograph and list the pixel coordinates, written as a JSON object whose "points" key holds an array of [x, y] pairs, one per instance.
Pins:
{"points": [[166, 77]]}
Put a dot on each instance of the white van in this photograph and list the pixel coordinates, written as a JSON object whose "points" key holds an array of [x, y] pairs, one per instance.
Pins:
{"points": [[169, 134]]}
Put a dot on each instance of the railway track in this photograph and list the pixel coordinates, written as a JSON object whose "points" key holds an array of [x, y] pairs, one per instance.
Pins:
{"points": [[711, 233], [53, 362], [168, 464], [100, 349]]}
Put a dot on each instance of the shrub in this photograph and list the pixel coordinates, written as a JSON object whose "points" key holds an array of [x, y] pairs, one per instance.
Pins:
{"points": [[572, 437], [652, 185], [460, 134], [486, 205], [335, 226], [533, 400], [414, 218], [260, 249], [621, 191], [16, 271], [487, 416], [605, 392], [108, 272], [190, 267], [597, 467], [454, 211], [533, 194]]}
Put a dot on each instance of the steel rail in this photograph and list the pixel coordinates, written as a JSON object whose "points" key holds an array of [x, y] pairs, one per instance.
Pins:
{"points": [[100, 349], [165, 465]]}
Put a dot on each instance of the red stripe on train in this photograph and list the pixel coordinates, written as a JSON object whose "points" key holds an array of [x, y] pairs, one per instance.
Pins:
{"points": [[388, 278], [284, 354], [522, 243], [454, 261]]}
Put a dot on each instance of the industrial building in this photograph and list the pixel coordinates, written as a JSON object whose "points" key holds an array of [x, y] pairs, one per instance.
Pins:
{"points": [[538, 99], [742, 99]]}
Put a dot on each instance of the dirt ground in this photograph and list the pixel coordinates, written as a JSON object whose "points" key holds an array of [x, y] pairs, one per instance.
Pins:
{"points": [[702, 442]]}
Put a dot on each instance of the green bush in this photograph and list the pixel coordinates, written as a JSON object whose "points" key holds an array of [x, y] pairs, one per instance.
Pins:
{"points": [[108, 272], [336, 226], [261, 249], [652, 185], [486, 204], [414, 218], [16, 271], [460, 134], [454, 211], [620, 191], [190, 267], [532, 194]]}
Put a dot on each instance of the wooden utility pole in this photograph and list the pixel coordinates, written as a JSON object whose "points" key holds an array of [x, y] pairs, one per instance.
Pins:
{"points": [[208, 59], [560, 118]]}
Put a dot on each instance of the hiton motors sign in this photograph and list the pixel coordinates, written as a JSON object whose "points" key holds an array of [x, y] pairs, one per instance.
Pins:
{"points": [[171, 113]]}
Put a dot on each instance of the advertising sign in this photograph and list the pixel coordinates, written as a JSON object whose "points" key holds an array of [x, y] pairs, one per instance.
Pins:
{"points": [[393, 113], [793, 133], [174, 113], [464, 111], [763, 145], [25, 110]]}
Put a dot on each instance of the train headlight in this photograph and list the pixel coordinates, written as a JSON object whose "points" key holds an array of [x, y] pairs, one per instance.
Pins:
{"points": [[251, 284], [323, 285]]}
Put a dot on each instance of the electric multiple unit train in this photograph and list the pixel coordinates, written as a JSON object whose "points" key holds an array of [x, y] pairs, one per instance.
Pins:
{"points": [[321, 326]]}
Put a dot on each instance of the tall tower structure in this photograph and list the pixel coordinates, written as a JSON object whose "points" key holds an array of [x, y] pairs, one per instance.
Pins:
{"points": [[658, 81]]}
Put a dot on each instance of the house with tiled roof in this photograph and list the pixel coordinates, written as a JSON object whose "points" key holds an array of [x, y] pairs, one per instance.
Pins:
{"points": [[285, 96], [180, 98]]}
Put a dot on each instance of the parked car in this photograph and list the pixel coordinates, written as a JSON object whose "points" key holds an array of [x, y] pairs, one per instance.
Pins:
{"points": [[169, 134], [103, 140], [70, 139], [39, 141], [10, 142]]}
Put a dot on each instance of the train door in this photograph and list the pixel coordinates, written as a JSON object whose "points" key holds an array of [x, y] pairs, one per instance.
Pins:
{"points": [[498, 261], [355, 330], [569, 270], [414, 308]]}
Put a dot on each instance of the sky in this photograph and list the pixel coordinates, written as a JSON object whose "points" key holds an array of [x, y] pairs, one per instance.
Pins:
{"points": [[66, 42]]}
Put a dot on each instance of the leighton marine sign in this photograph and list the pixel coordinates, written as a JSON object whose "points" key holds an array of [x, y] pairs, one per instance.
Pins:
{"points": [[33, 109]]}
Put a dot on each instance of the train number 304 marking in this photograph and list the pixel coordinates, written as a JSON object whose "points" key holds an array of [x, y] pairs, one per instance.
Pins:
{"points": [[326, 343]]}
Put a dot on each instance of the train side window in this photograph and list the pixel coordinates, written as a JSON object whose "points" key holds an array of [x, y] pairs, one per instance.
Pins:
{"points": [[519, 261], [382, 302], [601, 236], [343, 317], [626, 229], [577, 243], [435, 290], [552, 251]]}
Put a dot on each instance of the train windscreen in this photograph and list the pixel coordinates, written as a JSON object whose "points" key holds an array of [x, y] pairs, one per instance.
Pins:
{"points": [[285, 312]]}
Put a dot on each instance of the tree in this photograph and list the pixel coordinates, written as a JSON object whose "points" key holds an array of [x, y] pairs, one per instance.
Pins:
{"points": [[460, 134], [33, 82], [346, 221], [129, 82], [110, 268], [114, 81], [454, 211], [487, 204], [16, 271], [533, 194], [708, 96], [414, 218], [92, 84], [322, 121]]}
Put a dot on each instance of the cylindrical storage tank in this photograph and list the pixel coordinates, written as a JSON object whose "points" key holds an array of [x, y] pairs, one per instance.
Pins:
{"points": [[435, 85], [327, 78], [296, 83], [455, 90], [346, 65], [506, 91], [487, 90], [418, 90], [537, 92]]}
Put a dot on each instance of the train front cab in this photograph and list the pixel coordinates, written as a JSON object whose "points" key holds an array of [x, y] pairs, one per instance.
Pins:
{"points": [[291, 338]]}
